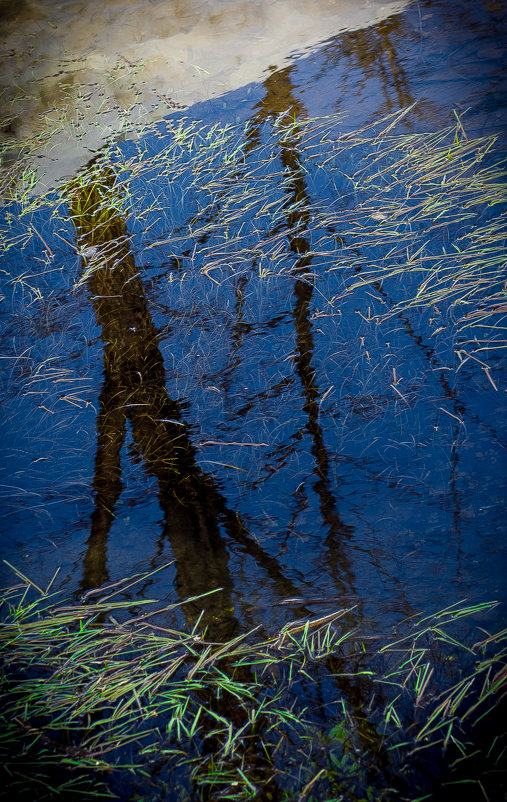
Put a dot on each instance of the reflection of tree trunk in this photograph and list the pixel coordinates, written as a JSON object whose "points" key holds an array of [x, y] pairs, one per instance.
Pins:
{"points": [[134, 390], [107, 482], [280, 98], [239, 329]]}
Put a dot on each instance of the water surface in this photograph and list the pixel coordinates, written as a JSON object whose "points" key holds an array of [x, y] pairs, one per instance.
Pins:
{"points": [[214, 396]]}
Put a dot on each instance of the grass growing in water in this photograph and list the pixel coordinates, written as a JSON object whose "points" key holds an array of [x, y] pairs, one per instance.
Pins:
{"points": [[99, 701], [415, 220], [89, 700]]}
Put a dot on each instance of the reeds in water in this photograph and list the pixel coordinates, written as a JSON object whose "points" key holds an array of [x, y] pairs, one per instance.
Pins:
{"points": [[97, 701]]}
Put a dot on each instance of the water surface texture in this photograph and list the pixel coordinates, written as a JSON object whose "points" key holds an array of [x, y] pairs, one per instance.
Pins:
{"points": [[196, 377]]}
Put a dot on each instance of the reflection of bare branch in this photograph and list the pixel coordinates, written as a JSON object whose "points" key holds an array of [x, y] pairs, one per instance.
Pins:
{"points": [[373, 52]]}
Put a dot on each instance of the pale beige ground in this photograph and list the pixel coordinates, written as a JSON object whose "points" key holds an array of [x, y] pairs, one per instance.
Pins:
{"points": [[83, 70]]}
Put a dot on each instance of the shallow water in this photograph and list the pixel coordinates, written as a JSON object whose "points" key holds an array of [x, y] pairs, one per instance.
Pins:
{"points": [[77, 73], [326, 459]]}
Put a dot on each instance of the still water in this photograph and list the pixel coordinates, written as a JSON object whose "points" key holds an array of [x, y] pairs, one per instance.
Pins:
{"points": [[257, 429]]}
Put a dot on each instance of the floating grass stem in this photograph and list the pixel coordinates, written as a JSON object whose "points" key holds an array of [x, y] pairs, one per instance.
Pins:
{"points": [[99, 705]]}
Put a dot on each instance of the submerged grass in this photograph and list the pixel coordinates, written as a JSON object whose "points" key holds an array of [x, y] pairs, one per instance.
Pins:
{"points": [[102, 702], [412, 221]]}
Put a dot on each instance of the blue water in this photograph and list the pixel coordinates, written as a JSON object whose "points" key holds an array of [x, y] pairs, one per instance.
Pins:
{"points": [[337, 460]]}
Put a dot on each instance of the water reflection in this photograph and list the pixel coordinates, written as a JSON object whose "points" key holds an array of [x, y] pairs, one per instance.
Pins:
{"points": [[401, 497], [134, 391], [374, 54], [280, 98]]}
